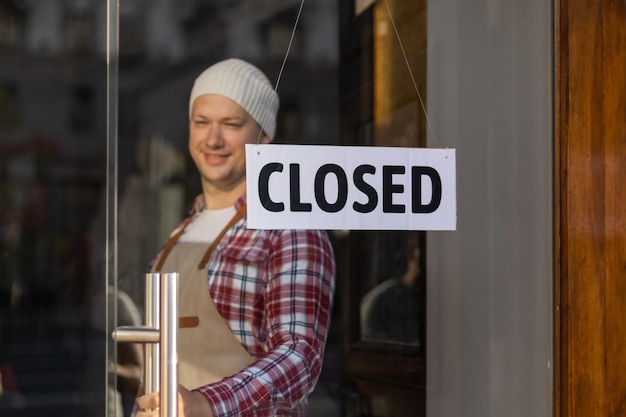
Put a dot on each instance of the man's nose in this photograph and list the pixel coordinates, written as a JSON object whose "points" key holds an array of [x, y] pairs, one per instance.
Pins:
{"points": [[213, 137]]}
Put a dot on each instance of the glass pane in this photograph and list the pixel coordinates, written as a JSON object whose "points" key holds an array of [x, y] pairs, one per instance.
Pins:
{"points": [[52, 177], [483, 71], [163, 46]]}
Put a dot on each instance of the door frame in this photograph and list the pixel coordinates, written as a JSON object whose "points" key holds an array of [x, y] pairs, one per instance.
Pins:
{"points": [[590, 207]]}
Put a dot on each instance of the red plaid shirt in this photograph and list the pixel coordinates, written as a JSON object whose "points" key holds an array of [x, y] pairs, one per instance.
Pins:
{"points": [[275, 289]]}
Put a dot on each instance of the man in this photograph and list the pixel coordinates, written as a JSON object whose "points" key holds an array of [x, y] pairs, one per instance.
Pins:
{"points": [[273, 288]]}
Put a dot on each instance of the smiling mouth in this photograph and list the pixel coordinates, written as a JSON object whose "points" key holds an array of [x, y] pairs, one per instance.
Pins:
{"points": [[215, 158]]}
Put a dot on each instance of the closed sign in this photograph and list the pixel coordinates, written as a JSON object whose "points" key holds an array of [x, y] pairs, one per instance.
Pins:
{"points": [[350, 187]]}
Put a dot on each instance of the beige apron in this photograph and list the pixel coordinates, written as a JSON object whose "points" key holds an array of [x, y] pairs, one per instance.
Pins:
{"points": [[207, 349]]}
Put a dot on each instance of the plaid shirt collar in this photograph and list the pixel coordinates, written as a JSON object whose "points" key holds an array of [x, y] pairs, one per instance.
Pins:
{"points": [[199, 204]]}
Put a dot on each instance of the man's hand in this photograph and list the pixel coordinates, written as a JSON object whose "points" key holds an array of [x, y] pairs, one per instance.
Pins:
{"points": [[190, 404]]}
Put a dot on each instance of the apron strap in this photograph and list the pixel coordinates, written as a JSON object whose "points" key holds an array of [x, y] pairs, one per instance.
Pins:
{"points": [[205, 258], [169, 245]]}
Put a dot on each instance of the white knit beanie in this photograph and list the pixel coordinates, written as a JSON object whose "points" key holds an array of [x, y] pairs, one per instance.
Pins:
{"points": [[243, 83]]}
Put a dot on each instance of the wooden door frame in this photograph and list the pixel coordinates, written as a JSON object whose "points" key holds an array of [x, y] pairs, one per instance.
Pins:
{"points": [[590, 208]]}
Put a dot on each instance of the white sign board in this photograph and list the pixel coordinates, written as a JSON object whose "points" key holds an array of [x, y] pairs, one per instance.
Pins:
{"points": [[350, 187]]}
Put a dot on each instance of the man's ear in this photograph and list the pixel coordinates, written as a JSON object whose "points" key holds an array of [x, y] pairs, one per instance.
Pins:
{"points": [[265, 139]]}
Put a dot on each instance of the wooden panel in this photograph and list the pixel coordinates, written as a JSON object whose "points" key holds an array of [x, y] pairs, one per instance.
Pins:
{"points": [[384, 399], [388, 366], [400, 73], [590, 313], [614, 124]]}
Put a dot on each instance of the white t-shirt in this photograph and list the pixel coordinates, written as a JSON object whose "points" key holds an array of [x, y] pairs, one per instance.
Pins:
{"points": [[208, 224]]}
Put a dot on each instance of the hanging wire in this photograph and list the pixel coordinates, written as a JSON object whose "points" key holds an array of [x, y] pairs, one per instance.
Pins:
{"points": [[406, 60], [282, 67], [395, 29], [293, 33]]}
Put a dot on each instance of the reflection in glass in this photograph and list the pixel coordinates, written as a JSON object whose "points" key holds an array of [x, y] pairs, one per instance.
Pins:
{"points": [[391, 307]]}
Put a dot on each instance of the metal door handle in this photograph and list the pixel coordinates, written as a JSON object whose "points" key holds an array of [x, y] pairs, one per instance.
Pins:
{"points": [[160, 337]]}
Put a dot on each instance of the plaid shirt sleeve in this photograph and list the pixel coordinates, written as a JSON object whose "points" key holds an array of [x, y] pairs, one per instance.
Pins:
{"points": [[296, 306]]}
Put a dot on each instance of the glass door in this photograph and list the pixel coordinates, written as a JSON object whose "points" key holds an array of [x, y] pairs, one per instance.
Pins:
{"points": [[95, 173], [162, 46]]}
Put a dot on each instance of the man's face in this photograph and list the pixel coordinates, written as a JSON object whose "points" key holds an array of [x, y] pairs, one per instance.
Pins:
{"points": [[218, 130]]}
